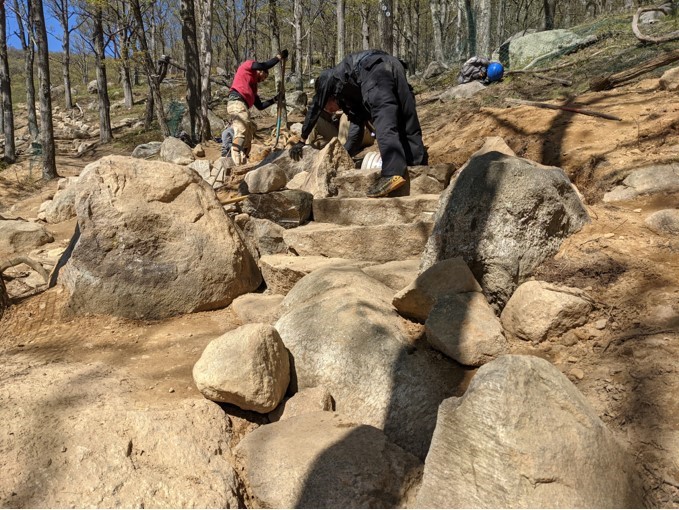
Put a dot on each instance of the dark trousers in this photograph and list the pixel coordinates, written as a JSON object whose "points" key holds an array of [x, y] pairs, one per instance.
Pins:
{"points": [[391, 103]]}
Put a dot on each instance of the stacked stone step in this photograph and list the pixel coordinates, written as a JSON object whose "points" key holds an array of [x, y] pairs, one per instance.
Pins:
{"points": [[360, 232]]}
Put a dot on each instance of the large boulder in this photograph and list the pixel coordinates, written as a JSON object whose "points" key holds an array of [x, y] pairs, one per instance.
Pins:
{"points": [[464, 327], [102, 449], [523, 436], [173, 150], [504, 215], [664, 222], [247, 367], [646, 181], [527, 48], [62, 206], [540, 309], [154, 242], [325, 460], [344, 335], [146, 150], [288, 208], [18, 237]]}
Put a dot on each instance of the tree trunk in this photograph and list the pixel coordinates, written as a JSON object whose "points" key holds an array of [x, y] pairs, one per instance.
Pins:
{"points": [[125, 70], [7, 112], [29, 57], [49, 170], [484, 24], [275, 48], [365, 25], [437, 29], [387, 33], [341, 7], [549, 6], [205, 16], [105, 131], [471, 28], [297, 24], [187, 14], [66, 47], [151, 75]]}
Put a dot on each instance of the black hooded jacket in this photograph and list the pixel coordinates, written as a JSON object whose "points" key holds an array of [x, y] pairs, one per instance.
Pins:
{"points": [[343, 83]]}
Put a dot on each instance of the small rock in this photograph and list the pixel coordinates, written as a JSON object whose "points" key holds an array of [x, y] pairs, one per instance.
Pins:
{"points": [[601, 324], [609, 235], [637, 210], [199, 151], [171, 390], [577, 373]]}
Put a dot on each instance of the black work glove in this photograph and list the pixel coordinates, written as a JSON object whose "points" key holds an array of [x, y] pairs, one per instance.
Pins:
{"points": [[297, 151], [284, 54]]}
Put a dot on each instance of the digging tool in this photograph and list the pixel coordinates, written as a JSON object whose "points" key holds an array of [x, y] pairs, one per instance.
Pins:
{"points": [[281, 104]]}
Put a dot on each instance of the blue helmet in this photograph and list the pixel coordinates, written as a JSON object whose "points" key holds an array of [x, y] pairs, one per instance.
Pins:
{"points": [[495, 71]]}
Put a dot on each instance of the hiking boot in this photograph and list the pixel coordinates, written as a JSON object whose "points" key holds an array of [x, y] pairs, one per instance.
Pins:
{"points": [[385, 185]]}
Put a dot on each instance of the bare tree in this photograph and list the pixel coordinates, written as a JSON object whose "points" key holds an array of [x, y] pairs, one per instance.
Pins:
{"points": [[385, 22], [341, 8], [151, 75], [49, 170], [124, 29], [549, 6], [5, 87], [105, 131], [365, 25], [275, 48], [483, 27], [471, 27], [21, 13], [297, 26], [189, 37], [205, 16], [61, 11]]}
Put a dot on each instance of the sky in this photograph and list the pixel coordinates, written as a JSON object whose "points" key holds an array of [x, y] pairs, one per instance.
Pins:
{"points": [[53, 31]]}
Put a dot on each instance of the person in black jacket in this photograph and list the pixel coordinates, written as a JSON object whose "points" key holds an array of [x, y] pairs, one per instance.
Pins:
{"points": [[372, 85]]}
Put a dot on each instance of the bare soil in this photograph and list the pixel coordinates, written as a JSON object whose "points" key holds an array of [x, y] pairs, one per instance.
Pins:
{"points": [[625, 360]]}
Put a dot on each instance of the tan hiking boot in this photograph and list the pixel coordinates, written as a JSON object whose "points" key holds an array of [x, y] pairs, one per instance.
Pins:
{"points": [[385, 185]]}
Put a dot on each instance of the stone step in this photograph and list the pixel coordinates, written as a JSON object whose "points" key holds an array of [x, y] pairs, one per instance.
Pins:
{"points": [[379, 243], [281, 272], [370, 211]]}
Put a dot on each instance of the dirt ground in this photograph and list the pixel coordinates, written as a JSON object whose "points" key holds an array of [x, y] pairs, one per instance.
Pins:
{"points": [[625, 365]]}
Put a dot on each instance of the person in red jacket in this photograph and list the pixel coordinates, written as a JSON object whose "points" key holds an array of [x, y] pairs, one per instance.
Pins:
{"points": [[243, 96]]}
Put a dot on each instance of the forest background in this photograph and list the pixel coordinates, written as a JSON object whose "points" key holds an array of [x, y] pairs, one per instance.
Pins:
{"points": [[140, 43]]}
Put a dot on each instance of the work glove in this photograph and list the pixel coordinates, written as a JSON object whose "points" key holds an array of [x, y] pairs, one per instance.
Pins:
{"points": [[284, 54], [297, 151]]}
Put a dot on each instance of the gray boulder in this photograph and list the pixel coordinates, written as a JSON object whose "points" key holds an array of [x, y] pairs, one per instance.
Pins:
{"points": [[529, 207], [464, 91], [309, 400], [523, 436], [325, 460], [154, 242], [665, 222], [265, 179], [670, 80], [434, 69], [146, 150], [344, 335], [464, 327], [173, 150], [92, 87], [330, 161], [527, 48], [288, 208], [18, 237], [257, 308], [646, 181], [265, 236]]}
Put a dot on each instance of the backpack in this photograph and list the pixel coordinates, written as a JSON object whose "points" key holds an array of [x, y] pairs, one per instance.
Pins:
{"points": [[473, 69]]}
